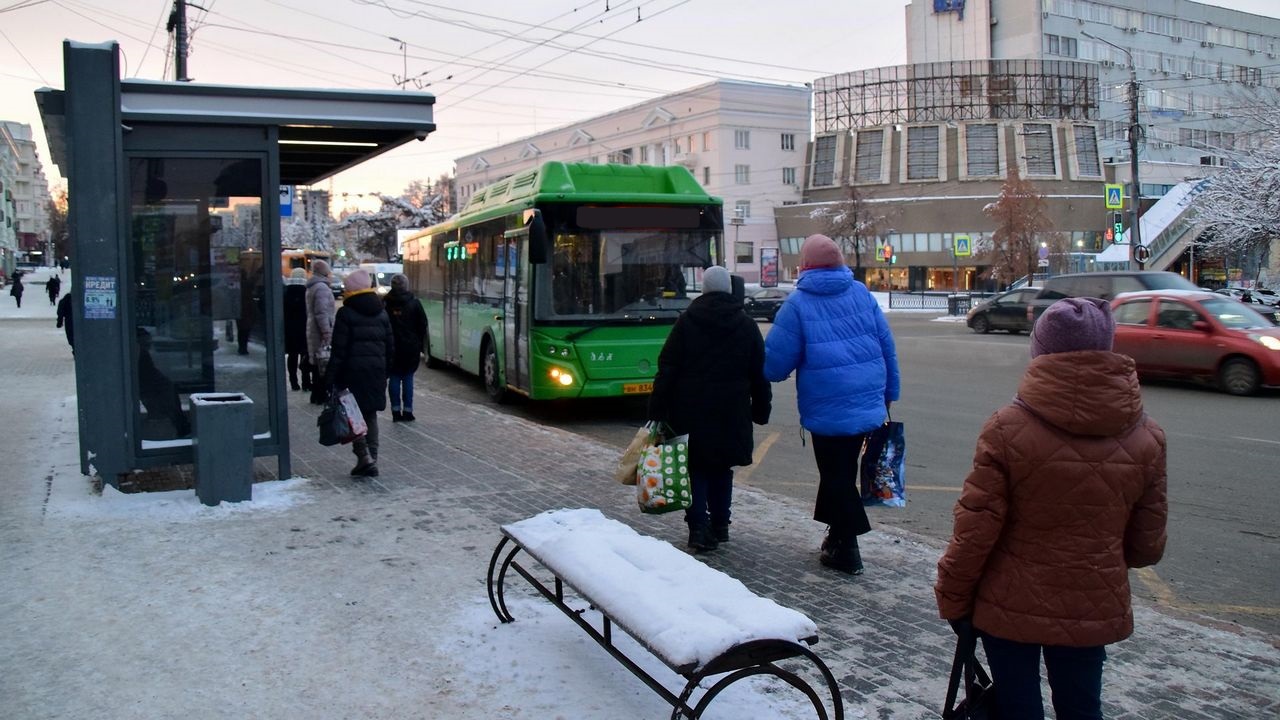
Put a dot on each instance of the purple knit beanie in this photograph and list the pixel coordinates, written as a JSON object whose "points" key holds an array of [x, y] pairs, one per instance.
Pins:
{"points": [[1073, 324]]}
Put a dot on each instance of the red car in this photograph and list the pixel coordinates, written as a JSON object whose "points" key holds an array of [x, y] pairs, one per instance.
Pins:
{"points": [[1199, 335]]}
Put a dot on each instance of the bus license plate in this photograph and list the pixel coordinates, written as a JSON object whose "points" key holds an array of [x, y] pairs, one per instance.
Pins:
{"points": [[636, 388]]}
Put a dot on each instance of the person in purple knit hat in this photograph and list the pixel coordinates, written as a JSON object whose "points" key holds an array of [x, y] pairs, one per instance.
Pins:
{"points": [[1067, 492]]}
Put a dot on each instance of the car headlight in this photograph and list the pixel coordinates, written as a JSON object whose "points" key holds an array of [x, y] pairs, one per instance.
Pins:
{"points": [[562, 377], [1269, 342]]}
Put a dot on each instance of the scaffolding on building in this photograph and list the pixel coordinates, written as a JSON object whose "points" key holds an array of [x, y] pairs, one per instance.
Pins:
{"points": [[956, 91]]}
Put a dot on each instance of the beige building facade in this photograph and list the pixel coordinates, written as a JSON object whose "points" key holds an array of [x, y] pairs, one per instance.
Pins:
{"points": [[26, 197], [744, 142]]}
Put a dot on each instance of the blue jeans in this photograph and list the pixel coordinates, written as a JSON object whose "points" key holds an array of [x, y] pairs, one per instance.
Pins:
{"points": [[401, 390], [712, 495], [1075, 679]]}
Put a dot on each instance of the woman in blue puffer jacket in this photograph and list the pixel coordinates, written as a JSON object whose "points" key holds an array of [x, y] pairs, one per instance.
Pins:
{"points": [[832, 334]]}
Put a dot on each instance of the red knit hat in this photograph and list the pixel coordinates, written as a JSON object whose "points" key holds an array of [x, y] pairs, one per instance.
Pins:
{"points": [[820, 251]]}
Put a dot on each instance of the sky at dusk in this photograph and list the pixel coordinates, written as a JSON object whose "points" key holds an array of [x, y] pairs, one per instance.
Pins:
{"points": [[499, 70]]}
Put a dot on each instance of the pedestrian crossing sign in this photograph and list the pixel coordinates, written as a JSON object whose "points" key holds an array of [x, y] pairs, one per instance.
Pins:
{"points": [[1115, 196]]}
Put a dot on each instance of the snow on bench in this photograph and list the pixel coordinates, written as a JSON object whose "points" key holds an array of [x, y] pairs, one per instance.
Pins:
{"points": [[696, 619]]}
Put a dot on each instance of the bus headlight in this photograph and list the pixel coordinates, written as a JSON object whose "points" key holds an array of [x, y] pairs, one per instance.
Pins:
{"points": [[564, 377]]}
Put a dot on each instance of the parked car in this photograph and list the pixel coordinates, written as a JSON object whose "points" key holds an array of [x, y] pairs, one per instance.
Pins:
{"points": [[1007, 311], [1105, 285], [1198, 335], [763, 303], [1257, 296], [337, 284]]}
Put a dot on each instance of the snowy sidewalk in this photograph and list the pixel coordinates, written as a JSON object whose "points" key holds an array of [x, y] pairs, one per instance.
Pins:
{"points": [[327, 598]]}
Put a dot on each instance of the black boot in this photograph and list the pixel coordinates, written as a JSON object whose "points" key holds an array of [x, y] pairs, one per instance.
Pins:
{"points": [[840, 552], [720, 532], [700, 538]]}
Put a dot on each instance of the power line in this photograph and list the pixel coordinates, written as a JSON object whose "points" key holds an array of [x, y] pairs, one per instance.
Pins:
{"points": [[24, 57]]}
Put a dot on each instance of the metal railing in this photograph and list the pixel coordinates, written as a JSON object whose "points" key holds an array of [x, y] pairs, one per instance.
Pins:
{"points": [[948, 302]]}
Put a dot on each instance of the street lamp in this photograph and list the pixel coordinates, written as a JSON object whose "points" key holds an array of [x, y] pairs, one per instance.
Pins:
{"points": [[1135, 235]]}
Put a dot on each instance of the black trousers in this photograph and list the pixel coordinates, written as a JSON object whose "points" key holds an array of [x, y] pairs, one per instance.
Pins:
{"points": [[839, 502]]}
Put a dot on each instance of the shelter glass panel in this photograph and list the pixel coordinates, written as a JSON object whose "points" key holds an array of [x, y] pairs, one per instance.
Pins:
{"points": [[199, 288]]}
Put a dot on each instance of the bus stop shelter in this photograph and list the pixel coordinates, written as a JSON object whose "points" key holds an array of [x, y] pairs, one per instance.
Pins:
{"points": [[174, 212]]}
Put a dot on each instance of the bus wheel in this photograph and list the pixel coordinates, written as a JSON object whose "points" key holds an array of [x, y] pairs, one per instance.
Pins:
{"points": [[489, 371]]}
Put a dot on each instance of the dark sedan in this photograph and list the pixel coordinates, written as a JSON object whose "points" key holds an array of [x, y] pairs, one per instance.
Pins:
{"points": [[764, 302], [1007, 311]]}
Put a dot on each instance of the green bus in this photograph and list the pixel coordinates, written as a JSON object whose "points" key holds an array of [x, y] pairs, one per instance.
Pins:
{"points": [[564, 281]]}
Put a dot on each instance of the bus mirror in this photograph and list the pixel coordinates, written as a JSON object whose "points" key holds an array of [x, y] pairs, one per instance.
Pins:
{"points": [[538, 241], [739, 287]]}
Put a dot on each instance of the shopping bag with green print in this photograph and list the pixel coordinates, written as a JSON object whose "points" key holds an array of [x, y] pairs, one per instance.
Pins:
{"points": [[662, 477]]}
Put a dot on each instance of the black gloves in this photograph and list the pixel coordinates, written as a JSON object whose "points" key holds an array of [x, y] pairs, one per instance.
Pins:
{"points": [[962, 626]]}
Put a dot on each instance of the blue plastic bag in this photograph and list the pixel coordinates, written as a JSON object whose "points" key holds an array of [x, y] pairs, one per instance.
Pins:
{"points": [[884, 463]]}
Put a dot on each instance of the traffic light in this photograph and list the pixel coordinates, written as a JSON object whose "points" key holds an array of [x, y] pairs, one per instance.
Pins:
{"points": [[1117, 222]]}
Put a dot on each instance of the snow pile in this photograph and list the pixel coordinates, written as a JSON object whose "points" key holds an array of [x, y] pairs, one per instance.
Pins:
{"points": [[75, 498], [687, 612]]}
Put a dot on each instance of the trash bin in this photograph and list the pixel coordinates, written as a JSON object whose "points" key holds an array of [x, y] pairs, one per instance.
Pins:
{"points": [[223, 442], [957, 304]]}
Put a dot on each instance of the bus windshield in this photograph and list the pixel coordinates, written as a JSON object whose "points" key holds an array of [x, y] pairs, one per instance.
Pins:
{"points": [[620, 274]]}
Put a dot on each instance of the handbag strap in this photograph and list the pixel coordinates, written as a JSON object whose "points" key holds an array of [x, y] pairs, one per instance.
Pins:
{"points": [[966, 643]]}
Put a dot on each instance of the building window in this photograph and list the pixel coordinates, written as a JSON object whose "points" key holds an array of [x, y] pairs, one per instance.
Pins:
{"points": [[788, 176], [742, 139], [644, 154], [742, 174], [866, 167], [922, 152], [982, 149], [744, 252], [706, 176], [788, 141], [1038, 141], [1087, 151], [824, 161], [1061, 46], [621, 157], [742, 209], [706, 141]]}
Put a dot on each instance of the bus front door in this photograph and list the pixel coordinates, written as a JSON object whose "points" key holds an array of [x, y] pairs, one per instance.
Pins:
{"points": [[455, 286], [515, 325]]}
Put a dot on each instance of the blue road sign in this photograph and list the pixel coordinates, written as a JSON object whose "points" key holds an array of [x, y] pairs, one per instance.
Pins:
{"points": [[286, 201], [1115, 196]]}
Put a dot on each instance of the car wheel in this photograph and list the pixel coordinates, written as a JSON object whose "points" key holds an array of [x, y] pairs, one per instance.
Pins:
{"points": [[981, 325], [1239, 376], [489, 370]]}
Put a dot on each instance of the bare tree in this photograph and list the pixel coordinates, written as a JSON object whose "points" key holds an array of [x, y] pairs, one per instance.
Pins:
{"points": [[1241, 205], [1020, 218], [851, 223], [376, 231]]}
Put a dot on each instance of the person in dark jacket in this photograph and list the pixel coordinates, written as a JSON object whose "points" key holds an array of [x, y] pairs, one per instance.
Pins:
{"points": [[295, 328], [832, 334], [711, 385], [362, 350], [53, 286], [16, 289], [409, 327], [1067, 492], [64, 320]]}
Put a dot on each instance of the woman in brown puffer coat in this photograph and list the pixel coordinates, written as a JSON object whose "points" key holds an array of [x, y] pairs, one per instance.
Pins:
{"points": [[1067, 493]]}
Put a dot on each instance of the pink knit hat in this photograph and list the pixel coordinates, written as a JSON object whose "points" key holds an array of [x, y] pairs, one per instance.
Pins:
{"points": [[820, 251], [358, 280]]}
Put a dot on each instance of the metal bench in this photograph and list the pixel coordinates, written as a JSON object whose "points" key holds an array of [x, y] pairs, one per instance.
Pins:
{"points": [[697, 620]]}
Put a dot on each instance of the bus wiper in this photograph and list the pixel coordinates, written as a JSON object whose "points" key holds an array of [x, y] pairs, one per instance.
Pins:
{"points": [[612, 321]]}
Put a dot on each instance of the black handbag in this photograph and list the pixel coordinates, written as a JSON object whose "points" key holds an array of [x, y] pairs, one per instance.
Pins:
{"points": [[979, 701], [333, 423]]}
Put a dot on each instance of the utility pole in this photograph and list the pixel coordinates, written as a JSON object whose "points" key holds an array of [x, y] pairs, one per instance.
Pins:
{"points": [[1135, 194], [1135, 129], [178, 26]]}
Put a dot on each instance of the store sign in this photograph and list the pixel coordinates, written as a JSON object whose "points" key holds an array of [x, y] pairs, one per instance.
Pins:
{"points": [[955, 6]]}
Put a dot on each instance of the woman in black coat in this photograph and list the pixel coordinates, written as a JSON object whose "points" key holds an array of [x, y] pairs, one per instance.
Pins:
{"points": [[409, 326], [295, 328], [710, 384], [362, 352]]}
